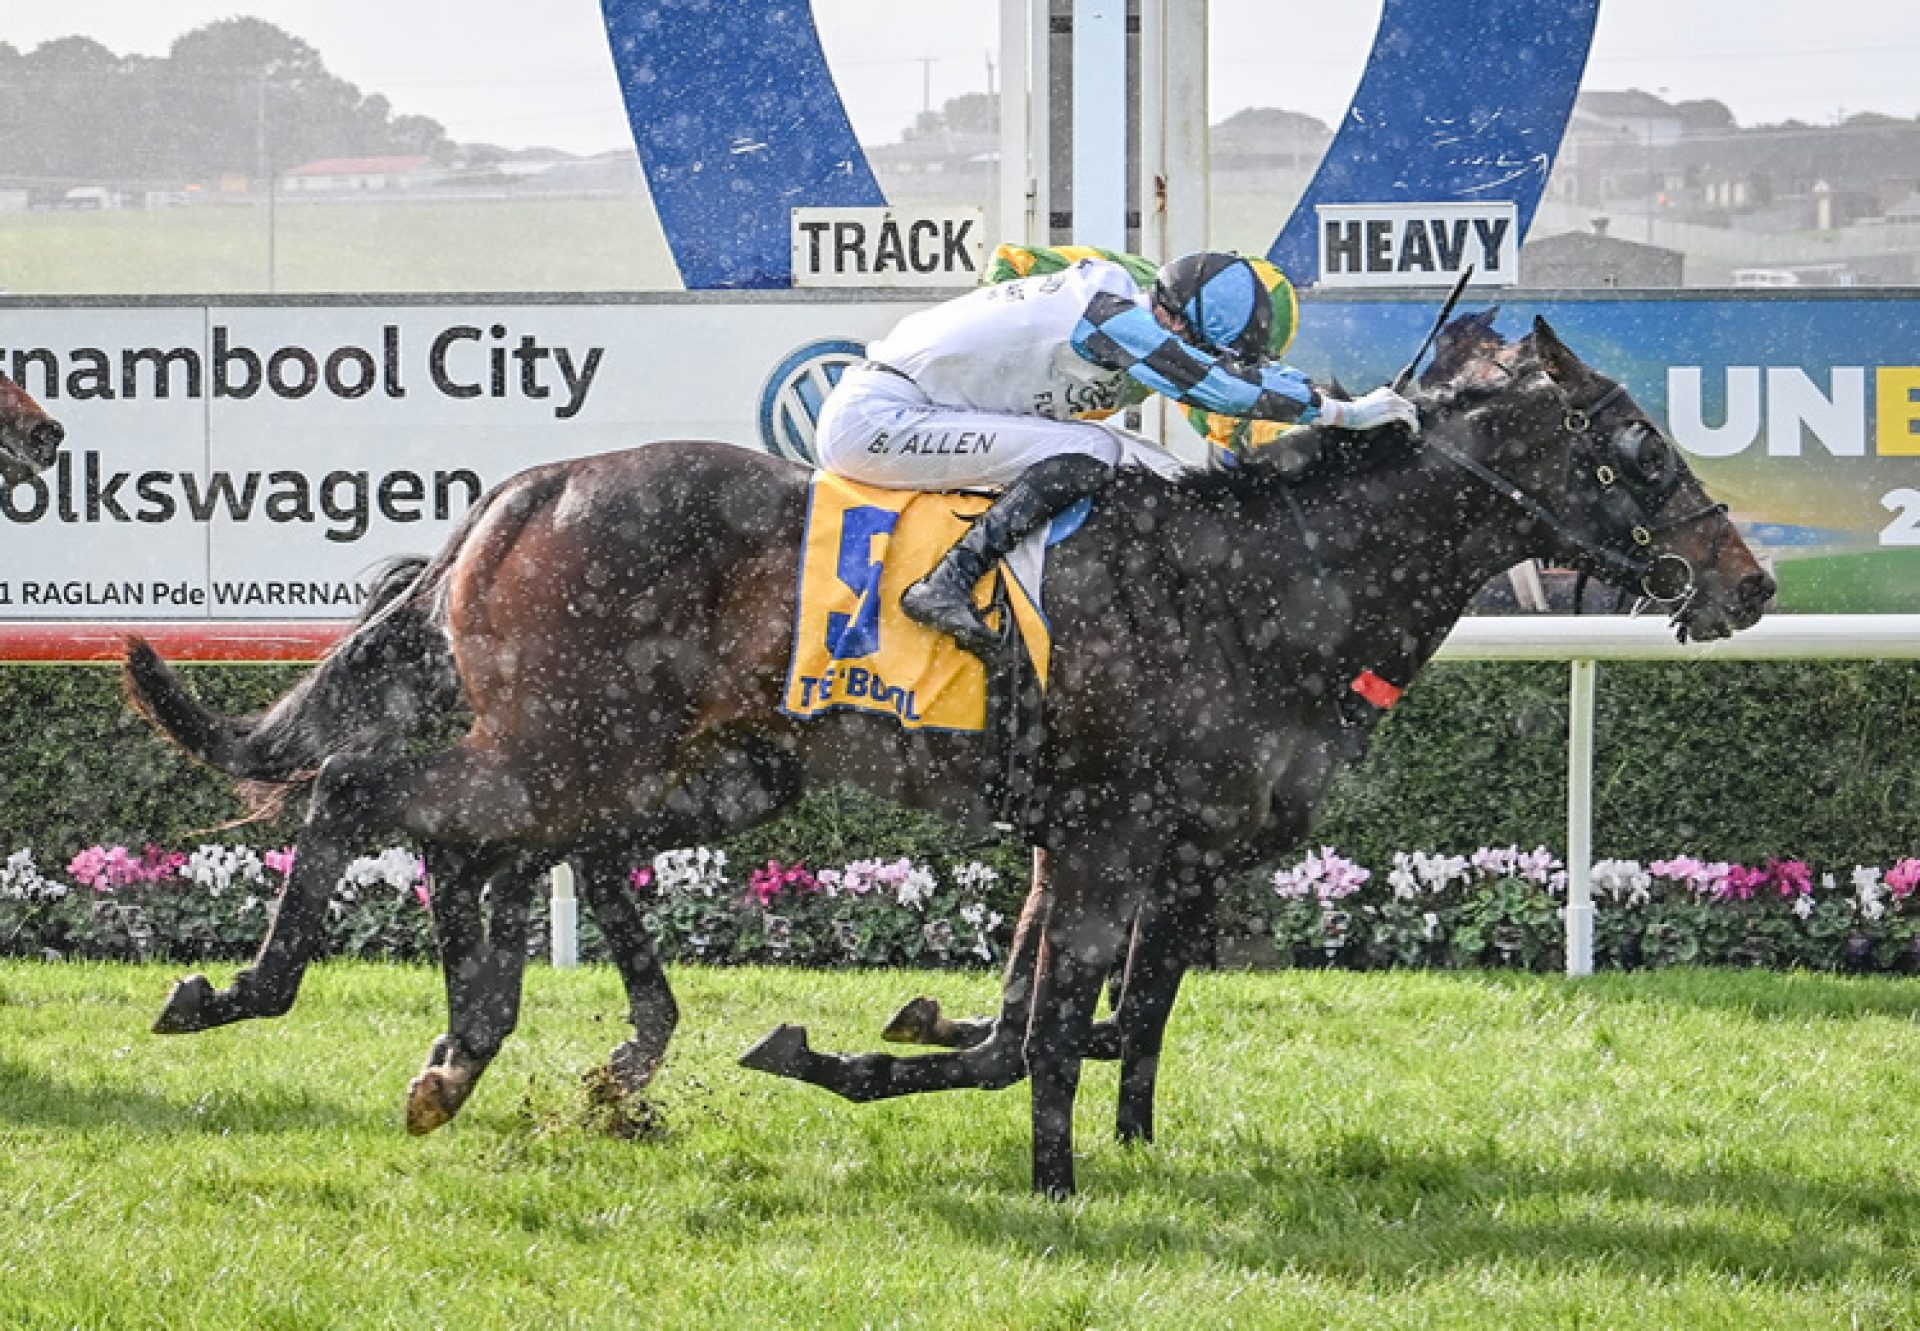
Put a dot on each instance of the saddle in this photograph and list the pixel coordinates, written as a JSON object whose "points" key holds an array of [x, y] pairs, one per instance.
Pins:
{"points": [[855, 650]]}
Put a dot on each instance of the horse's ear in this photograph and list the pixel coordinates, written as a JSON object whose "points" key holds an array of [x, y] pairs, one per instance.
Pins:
{"points": [[1467, 338], [1559, 360]]}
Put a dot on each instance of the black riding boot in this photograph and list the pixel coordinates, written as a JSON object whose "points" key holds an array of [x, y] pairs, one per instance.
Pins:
{"points": [[943, 599]]}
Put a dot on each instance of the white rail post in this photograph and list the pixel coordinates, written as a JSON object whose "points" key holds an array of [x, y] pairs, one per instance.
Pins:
{"points": [[1580, 819], [565, 909]]}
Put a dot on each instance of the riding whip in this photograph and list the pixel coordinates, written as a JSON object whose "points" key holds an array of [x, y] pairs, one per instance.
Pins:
{"points": [[1405, 376]]}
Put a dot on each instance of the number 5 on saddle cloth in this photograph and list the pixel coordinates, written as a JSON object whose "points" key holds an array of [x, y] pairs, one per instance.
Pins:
{"points": [[853, 648]]}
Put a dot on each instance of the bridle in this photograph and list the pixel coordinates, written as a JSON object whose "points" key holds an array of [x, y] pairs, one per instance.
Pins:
{"points": [[1621, 500]]}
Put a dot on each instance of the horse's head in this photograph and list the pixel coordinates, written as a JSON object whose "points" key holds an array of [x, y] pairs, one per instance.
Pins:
{"points": [[29, 438], [1573, 451]]}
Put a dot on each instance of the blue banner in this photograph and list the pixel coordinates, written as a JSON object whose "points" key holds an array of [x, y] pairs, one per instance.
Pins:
{"points": [[1463, 101], [737, 122], [1802, 412]]}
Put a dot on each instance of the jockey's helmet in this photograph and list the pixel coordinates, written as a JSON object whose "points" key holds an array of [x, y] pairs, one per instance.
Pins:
{"points": [[1226, 306]]}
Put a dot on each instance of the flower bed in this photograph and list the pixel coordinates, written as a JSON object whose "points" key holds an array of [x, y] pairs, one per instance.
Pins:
{"points": [[1498, 907], [1503, 907], [210, 905]]}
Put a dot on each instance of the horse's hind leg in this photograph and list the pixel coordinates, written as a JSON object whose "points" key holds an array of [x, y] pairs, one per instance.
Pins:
{"points": [[342, 810], [455, 796], [480, 912], [923, 1022], [650, 1003]]}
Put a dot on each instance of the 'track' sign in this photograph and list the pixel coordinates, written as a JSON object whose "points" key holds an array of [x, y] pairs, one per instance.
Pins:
{"points": [[888, 247]]}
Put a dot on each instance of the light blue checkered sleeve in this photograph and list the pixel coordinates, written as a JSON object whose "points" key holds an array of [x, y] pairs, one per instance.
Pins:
{"points": [[1124, 335]]}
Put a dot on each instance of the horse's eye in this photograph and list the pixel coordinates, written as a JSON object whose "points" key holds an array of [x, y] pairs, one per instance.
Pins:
{"points": [[1646, 454]]}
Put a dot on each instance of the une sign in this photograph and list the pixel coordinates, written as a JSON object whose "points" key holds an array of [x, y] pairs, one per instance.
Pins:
{"points": [[1418, 244], [888, 247]]}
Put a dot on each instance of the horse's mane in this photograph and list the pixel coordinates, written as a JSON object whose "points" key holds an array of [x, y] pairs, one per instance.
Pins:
{"points": [[1472, 364]]}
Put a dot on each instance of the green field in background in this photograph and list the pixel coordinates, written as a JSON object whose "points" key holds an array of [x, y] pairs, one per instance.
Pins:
{"points": [[564, 245], [1873, 582]]}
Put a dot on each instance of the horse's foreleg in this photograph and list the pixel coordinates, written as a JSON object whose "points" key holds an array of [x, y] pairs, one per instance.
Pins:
{"points": [[1162, 950], [483, 956], [650, 1003], [345, 796], [1081, 946]]}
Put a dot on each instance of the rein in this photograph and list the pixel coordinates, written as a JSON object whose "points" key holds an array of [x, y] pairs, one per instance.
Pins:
{"points": [[1637, 564]]}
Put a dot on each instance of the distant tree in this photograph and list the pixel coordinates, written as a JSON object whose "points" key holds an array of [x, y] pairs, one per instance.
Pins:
{"points": [[1704, 117], [1274, 124], [970, 113], [1875, 120], [235, 96]]}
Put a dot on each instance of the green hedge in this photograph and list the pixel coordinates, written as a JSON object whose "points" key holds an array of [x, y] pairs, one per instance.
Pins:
{"points": [[1735, 761]]}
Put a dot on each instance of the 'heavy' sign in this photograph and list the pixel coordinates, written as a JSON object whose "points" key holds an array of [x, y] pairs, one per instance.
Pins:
{"points": [[888, 247], [1418, 244]]}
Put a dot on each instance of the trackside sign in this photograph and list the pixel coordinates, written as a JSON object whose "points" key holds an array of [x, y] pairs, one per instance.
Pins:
{"points": [[888, 247], [1418, 244], [259, 461]]}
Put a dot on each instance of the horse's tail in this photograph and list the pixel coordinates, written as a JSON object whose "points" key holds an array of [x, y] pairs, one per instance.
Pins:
{"points": [[389, 681]]}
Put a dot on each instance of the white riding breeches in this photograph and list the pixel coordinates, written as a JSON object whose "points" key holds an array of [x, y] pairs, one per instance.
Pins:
{"points": [[878, 428]]}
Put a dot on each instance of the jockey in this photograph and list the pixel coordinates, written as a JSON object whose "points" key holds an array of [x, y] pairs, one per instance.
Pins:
{"points": [[994, 388]]}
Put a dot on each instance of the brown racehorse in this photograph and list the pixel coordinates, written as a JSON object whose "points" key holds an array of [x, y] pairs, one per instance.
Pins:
{"points": [[618, 629], [29, 438]]}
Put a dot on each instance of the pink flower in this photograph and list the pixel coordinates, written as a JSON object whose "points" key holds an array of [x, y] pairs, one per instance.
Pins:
{"points": [[280, 861], [1740, 883], [642, 878], [1327, 876], [774, 880], [109, 868], [1792, 877], [1902, 878]]}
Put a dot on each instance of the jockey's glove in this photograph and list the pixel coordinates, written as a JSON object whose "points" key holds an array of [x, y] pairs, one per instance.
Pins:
{"points": [[1382, 406]]}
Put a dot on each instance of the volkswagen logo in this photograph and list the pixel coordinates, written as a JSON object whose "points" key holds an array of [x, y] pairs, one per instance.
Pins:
{"points": [[790, 402]]}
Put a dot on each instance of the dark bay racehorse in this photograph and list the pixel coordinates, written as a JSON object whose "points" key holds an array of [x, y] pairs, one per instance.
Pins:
{"points": [[29, 438], [618, 628]]}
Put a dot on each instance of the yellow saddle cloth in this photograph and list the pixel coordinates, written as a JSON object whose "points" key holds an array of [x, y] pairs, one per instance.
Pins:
{"points": [[852, 645]]}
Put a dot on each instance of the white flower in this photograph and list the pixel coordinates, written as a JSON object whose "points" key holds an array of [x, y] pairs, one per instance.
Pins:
{"points": [[915, 887], [21, 880], [698, 872], [983, 923], [395, 867], [1622, 880], [1869, 893], [218, 868]]}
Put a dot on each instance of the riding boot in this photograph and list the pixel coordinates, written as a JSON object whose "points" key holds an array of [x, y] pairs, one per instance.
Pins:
{"points": [[943, 599]]}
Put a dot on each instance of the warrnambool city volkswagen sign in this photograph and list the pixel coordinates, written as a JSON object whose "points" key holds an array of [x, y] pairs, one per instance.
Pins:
{"points": [[1418, 244], [241, 460]]}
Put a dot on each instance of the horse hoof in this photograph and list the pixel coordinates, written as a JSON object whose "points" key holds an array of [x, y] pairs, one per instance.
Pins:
{"points": [[632, 1066], [429, 1104], [783, 1053], [187, 1008], [914, 1023]]}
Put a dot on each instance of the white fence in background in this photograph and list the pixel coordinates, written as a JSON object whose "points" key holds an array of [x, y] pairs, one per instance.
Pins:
{"points": [[1585, 641]]}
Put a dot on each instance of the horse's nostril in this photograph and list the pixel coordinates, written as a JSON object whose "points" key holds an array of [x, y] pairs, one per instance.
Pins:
{"points": [[1757, 589]]}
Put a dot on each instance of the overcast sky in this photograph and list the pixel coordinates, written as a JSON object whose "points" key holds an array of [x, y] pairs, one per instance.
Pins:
{"points": [[489, 71]]}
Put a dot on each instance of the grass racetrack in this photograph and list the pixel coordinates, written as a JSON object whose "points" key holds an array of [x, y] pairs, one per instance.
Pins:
{"points": [[1674, 1149]]}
